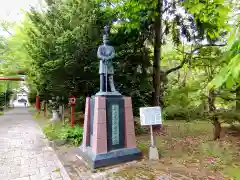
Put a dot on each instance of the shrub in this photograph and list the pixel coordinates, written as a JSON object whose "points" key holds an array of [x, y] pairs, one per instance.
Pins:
{"points": [[79, 118], [143, 147], [64, 132], [73, 135], [37, 115], [32, 96], [80, 104], [50, 132], [138, 128]]}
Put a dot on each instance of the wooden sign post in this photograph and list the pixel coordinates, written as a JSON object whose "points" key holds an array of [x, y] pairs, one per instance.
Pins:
{"points": [[150, 116], [38, 106], [72, 102], [45, 108]]}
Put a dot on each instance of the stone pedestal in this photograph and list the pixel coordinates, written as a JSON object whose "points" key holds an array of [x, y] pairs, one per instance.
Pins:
{"points": [[109, 135]]}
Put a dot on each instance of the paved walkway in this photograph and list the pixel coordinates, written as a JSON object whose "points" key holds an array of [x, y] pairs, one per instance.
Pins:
{"points": [[24, 153]]}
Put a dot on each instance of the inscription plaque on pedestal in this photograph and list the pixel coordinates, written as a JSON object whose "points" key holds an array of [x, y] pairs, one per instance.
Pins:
{"points": [[115, 123]]}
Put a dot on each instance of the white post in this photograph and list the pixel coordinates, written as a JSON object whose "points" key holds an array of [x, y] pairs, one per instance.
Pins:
{"points": [[153, 151], [152, 138]]}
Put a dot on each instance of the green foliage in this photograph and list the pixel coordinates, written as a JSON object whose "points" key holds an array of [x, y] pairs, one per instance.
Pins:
{"points": [[32, 96], [73, 135], [37, 115], [212, 149], [233, 172], [210, 17], [184, 102], [32, 110], [138, 128], [217, 156], [57, 49], [50, 132], [5, 97], [230, 73], [59, 42], [143, 147], [80, 104], [228, 116], [64, 132]]}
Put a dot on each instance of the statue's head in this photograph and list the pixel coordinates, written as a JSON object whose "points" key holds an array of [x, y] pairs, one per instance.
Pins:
{"points": [[106, 29]]}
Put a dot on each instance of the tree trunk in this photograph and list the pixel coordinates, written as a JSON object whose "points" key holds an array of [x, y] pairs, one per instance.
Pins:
{"points": [[157, 54], [157, 58], [217, 128], [237, 99], [214, 118]]}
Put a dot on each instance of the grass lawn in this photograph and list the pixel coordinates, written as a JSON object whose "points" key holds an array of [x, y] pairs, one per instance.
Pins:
{"points": [[188, 152]]}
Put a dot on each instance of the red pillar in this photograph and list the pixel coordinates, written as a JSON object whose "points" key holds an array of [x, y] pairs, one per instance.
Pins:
{"points": [[37, 103], [45, 108], [73, 115]]}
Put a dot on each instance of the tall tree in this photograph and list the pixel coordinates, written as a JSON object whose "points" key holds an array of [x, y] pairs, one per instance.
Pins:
{"points": [[61, 41], [192, 20]]}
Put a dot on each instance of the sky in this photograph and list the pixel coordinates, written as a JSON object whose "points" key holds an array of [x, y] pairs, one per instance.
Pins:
{"points": [[10, 10]]}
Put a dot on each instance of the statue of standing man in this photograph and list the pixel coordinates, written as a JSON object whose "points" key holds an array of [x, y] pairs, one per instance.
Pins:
{"points": [[106, 53]]}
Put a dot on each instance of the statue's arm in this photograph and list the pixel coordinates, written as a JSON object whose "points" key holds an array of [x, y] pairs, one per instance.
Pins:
{"points": [[98, 53], [113, 53]]}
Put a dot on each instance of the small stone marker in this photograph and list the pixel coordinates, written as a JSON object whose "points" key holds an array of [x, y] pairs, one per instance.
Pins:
{"points": [[150, 116]]}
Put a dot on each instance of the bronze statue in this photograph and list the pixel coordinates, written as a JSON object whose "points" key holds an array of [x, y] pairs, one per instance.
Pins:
{"points": [[106, 53]]}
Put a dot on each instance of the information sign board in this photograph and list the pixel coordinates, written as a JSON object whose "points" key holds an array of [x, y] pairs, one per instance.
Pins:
{"points": [[150, 116]]}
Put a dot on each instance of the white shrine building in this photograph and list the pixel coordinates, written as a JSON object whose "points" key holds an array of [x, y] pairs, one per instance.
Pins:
{"points": [[21, 96]]}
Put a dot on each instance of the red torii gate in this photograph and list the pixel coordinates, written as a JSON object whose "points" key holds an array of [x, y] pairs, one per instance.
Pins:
{"points": [[11, 79], [38, 106]]}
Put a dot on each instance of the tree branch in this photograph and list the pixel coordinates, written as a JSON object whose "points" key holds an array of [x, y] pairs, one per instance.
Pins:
{"points": [[190, 53], [170, 5], [177, 67], [229, 99], [167, 8], [5, 29]]}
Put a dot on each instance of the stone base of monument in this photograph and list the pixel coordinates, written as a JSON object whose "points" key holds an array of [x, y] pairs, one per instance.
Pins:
{"points": [[55, 116], [110, 158], [109, 135]]}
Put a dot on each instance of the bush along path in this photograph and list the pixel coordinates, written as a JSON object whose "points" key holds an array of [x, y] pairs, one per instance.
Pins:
{"points": [[23, 150], [62, 133]]}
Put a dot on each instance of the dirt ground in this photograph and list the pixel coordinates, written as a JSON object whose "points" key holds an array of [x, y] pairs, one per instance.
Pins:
{"points": [[187, 153]]}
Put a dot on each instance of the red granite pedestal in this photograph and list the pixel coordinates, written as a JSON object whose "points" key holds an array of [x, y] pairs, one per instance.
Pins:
{"points": [[97, 149]]}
